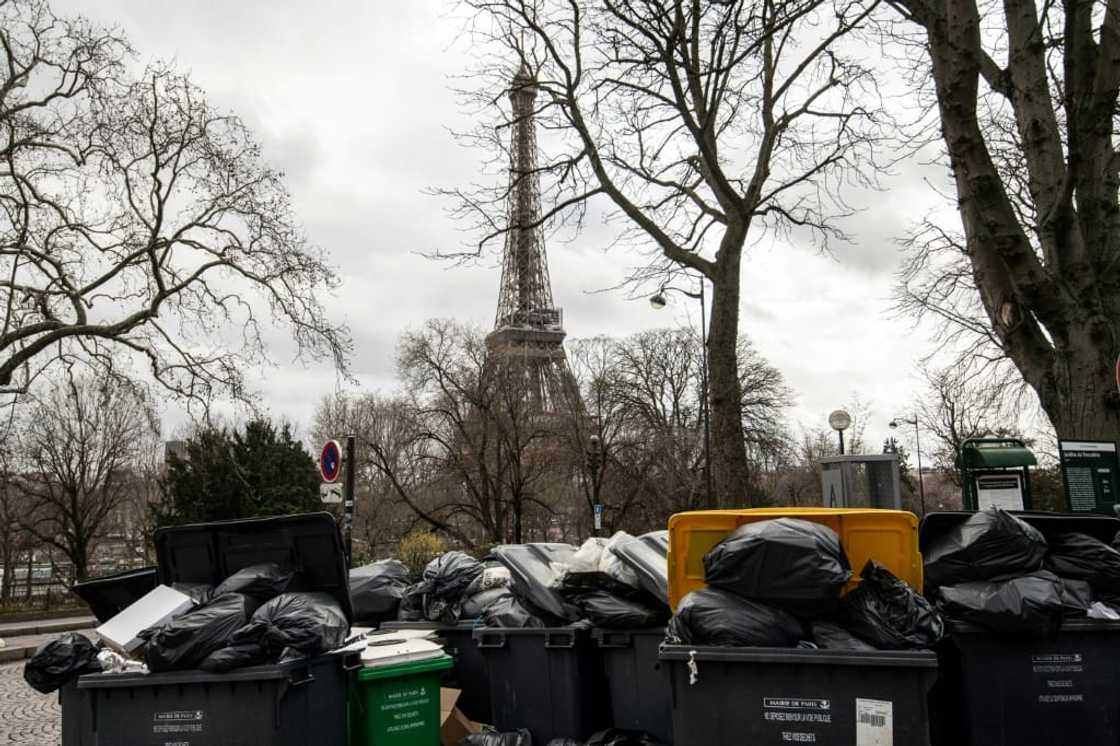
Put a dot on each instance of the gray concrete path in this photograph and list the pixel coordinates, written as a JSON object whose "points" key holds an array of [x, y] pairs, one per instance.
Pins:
{"points": [[27, 717]]}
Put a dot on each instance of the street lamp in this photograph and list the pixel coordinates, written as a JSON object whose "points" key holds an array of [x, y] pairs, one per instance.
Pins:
{"points": [[595, 461], [840, 421], [659, 301], [894, 425]]}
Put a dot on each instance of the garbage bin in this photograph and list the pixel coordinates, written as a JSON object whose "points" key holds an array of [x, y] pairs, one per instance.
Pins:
{"points": [[997, 690], [640, 694], [109, 595], [470, 673], [782, 695], [548, 680], [396, 705], [296, 702]]}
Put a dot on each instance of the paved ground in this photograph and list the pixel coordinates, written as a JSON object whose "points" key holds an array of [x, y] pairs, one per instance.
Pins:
{"points": [[26, 717]]}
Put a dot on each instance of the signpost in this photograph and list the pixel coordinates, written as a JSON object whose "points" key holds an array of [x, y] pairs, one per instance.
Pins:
{"points": [[1090, 472], [333, 463]]}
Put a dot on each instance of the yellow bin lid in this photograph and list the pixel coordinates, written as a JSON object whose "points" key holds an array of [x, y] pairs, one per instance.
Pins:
{"points": [[890, 537]]}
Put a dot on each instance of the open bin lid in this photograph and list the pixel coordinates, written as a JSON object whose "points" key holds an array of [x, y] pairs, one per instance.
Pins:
{"points": [[211, 552], [890, 537], [532, 569], [1102, 527], [108, 595]]}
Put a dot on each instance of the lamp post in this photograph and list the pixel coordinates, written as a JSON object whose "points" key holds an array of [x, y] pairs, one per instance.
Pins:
{"points": [[894, 424], [659, 301], [840, 421], [596, 457]]}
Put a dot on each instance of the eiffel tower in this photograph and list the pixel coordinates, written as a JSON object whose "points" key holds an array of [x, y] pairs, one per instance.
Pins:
{"points": [[528, 327]]}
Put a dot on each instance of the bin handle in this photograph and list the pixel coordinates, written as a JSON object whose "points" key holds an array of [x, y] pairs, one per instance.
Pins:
{"points": [[563, 639], [615, 639], [491, 639], [351, 662], [301, 676]]}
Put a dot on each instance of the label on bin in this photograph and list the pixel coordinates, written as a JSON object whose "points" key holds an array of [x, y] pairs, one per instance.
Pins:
{"points": [[874, 722], [407, 709], [797, 712], [1058, 677], [177, 724]]}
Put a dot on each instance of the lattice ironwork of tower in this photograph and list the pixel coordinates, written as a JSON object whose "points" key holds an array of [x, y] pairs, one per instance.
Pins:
{"points": [[529, 328]]}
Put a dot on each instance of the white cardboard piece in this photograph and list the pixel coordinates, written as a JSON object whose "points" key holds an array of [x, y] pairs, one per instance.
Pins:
{"points": [[159, 606]]}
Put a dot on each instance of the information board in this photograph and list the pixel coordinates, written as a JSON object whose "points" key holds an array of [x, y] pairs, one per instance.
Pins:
{"points": [[1000, 491], [1089, 470]]}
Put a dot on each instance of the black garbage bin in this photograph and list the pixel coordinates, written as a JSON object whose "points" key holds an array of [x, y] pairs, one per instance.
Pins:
{"points": [[725, 695], [470, 673], [1001, 690], [109, 595], [295, 702], [640, 695], [548, 680]]}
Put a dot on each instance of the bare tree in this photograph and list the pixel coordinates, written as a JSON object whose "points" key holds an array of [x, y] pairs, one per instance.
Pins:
{"points": [[79, 443], [1027, 102], [137, 220], [700, 124]]}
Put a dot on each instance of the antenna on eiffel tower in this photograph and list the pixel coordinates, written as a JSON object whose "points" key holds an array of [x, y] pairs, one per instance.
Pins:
{"points": [[528, 326]]}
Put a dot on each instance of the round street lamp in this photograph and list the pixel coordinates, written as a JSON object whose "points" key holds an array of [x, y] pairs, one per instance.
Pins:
{"points": [[840, 421], [658, 301]]}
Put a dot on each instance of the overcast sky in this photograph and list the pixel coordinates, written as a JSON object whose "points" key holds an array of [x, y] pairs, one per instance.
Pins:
{"points": [[350, 98]]}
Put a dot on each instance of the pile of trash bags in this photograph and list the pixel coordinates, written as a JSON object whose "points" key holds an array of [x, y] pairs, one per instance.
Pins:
{"points": [[996, 571], [778, 583], [616, 583], [608, 737]]}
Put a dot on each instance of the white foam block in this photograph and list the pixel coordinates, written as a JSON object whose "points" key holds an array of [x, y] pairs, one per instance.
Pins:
{"points": [[159, 606]]}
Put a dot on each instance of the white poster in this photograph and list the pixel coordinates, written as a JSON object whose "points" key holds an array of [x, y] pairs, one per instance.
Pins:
{"points": [[874, 722], [999, 491]]}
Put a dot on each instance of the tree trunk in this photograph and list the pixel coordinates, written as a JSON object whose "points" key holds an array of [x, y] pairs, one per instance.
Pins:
{"points": [[730, 471]]}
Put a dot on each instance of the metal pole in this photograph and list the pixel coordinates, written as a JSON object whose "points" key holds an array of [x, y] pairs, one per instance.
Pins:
{"points": [[841, 434], [348, 501], [707, 394], [921, 484]]}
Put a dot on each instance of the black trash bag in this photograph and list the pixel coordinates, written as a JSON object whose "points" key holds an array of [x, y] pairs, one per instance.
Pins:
{"points": [[510, 613], [311, 623], [888, 614], [533, 576], [376, 590], [607, 602], [830, 636], [188, 639], [263, 582], [565, 742], [1116, 541], [987, 545], [476, 605], [621, 737], [786, 562], [447, 578], [1027, 605], [712, 616], [516, 738], [1081, 557], [411, 608], [59, 661], [235, 656], [200, 593], [1077, 597]]}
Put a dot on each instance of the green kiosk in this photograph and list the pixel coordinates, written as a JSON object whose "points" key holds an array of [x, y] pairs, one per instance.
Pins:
{"points": [[995, 472]]}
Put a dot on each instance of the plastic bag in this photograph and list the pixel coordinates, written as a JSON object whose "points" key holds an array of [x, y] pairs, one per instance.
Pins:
{"points": [[1100, 611], [446, 578], [987, 545], [411, 608], [621, 737], [889, 614], [510, 613], [477, 604], [235, 656], [311, 623], [533, 575], [200, 593], [188, 639], [59, 661], [1081, 557], [646, 558], [711, 616], [1077, 597], [588, 557], [1028, 605], [612, 565], [829, 636], [607, 602], [376, 590], [517, 738], [263, 582], [794, 564], [565, 742]]}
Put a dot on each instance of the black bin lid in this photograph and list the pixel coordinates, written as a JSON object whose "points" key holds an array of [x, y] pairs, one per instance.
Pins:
{"points": [[211, 552], [1102, 527]]}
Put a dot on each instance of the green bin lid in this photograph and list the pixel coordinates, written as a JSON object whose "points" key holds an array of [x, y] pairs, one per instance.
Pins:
{"points": [[405, 669], [996, 453]]}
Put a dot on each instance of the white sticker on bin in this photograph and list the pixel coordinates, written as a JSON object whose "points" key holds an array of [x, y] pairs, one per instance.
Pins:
{"points": [[874, 722]]}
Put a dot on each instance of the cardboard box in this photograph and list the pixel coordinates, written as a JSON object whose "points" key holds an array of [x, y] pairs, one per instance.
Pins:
{"points": [[158, 606], [454, 726]]}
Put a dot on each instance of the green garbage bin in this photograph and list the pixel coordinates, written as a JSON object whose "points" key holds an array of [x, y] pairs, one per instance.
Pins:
{"points": [[397, 705]]}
